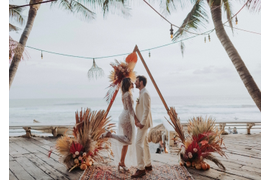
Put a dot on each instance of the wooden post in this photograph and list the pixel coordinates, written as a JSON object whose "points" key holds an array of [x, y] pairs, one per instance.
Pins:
{"points": [[151, 77], [111, 102]]}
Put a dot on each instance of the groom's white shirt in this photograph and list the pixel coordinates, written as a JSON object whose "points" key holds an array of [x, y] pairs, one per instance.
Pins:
{"points": [[143, 109]]}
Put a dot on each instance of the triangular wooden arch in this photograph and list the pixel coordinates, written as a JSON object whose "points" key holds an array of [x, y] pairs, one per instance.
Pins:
{"points": [[136, 49]]}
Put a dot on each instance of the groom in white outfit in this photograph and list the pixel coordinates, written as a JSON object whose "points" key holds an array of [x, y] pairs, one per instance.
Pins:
{"points": [[144, 116]]}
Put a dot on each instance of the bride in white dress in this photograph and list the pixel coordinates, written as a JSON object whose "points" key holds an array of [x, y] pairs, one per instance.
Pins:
{"points": [[123, 143]]}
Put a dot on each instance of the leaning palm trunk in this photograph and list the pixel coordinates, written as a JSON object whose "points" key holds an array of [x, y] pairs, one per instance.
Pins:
{"points": [[237, 61], [24, 37]]}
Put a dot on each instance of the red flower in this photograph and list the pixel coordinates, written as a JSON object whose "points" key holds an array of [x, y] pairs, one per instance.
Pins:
{"points": [[75, 147], [190, 150], [204, 142]]}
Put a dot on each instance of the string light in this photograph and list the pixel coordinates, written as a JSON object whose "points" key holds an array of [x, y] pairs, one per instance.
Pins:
{"points": [[171, 30], [236, 20], [41, 55], [209, 37], [204, 39], [149, 54]]}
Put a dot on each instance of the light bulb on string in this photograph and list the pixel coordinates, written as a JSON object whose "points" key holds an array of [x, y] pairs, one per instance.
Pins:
{"points": [[209, 37], [204, 39], [149, 54], [41, 54], [171, 31], [236, 20]]}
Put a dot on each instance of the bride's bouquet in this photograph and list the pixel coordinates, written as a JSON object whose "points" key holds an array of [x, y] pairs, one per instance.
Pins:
{"points": [[86, 146]]}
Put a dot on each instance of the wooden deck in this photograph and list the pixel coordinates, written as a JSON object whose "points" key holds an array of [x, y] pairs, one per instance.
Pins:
{"points": [[28, 159]]}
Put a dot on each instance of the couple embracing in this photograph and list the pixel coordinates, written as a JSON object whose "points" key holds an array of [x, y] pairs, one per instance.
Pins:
{"points": [[130, 150]]}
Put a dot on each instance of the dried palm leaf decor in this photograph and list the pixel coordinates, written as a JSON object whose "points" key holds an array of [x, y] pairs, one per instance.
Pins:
{"points": [[203, 140], [86, 146], [120, 71]]}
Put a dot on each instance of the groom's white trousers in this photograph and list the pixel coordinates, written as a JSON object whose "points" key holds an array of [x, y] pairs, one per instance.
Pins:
{"points": [[142, 149]]}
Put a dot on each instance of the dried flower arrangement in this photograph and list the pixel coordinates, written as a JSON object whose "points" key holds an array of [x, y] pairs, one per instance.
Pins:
{"points": [[203, 139], [86, 146], [120, 71]]}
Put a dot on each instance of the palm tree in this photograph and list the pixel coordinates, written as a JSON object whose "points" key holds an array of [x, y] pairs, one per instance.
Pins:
{"points": [[15, 16], [197, 17], [71, 5]]}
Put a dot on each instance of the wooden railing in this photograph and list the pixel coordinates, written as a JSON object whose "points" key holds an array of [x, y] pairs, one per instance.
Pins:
{"points": [[61, 129], [44, 128]]}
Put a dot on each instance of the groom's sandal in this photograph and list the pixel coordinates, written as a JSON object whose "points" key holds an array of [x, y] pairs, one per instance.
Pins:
{"points": [[149, 168], [138, 174]]}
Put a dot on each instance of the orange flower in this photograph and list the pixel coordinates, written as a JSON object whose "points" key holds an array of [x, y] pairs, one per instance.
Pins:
{"points": [[204, 142], [131, 58], [83, 166]]}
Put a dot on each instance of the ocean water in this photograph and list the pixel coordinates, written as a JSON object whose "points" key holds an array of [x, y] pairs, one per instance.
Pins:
{"points": [[62, 111]]}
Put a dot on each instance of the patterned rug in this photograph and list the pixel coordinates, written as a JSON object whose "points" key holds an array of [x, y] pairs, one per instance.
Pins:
{"points": [[158, 172]]}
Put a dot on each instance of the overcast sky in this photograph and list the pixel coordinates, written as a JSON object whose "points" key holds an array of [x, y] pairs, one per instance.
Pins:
{"points": [[204, 70]]}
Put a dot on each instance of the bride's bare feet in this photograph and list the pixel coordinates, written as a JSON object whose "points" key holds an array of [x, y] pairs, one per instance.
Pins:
{"points": [[122, 165]]}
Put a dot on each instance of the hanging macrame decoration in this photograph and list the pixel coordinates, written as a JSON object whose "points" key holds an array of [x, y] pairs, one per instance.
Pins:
{"points": [[95, 71]]}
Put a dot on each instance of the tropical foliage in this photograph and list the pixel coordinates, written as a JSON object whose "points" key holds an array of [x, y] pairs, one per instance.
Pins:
{"points": [[254, 5], [15, 15], [78, 7], [198, 17]]}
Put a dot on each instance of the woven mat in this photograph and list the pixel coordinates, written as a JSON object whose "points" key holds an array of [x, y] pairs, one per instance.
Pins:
{"points": [[158, 172]]}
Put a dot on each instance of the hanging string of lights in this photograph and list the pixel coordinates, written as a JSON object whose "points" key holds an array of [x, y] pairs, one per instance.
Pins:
{"points": [[171, 33], [104, 57], [171, 30]]}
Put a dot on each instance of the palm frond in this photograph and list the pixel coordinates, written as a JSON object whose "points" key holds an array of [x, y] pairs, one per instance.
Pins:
{"points": [[15, 14], [254, 5], [167, 6], [77, 7], [216, 161], [13, 28], [197, 17], [16, 47], [175, 123], [63, 145], [81, 9], [227, 7], [116, 7]]}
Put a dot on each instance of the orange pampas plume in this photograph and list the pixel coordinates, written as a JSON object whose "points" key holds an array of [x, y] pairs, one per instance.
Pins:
{"points": [[131, 58]]}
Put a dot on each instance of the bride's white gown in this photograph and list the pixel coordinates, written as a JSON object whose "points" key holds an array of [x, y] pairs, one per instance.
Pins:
{"points": [[125, 133]]}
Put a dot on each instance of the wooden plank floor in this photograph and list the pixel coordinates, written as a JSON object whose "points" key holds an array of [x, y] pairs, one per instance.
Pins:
{"points": [[28, 159]]}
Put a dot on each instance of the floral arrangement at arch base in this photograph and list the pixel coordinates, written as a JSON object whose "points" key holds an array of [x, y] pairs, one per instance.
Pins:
{"points": [[85, 147], [203, 140]]}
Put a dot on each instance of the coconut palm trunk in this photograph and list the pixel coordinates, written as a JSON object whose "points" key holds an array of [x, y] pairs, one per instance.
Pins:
{"points": [[24, 37], [237, 61]]}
